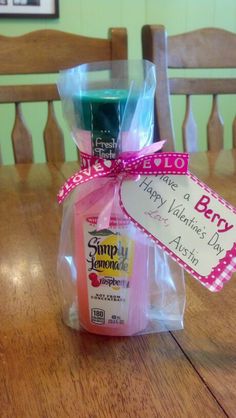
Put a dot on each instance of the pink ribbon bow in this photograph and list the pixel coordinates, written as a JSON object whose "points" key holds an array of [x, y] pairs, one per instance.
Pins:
{"points": [[144, 162]]}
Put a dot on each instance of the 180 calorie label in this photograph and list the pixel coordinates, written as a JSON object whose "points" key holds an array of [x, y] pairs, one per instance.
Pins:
{"points": [[98, 316]]}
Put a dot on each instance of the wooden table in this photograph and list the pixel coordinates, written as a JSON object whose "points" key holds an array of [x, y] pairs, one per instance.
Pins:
{"points": [[47, 370]]}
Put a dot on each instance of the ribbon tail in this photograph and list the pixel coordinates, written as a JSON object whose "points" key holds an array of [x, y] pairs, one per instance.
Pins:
{"points": [[104, 217]]}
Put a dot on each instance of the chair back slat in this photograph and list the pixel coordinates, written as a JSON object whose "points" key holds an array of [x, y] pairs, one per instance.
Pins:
{"points": [[21, 138], [28, 93], [191, 50], [202, 86], [44, 52], [215, 128], [189, 128], [53, 137], [202, 49]]}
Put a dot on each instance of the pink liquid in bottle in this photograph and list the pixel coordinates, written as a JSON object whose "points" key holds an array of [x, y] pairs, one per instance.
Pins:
{"points": [[112, 273]]}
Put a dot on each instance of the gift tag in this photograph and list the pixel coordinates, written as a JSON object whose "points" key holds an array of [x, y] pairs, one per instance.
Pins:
{"points": [[188, 220]]}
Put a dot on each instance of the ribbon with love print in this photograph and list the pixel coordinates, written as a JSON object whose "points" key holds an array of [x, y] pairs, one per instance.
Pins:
{"points": [[147, 161]]}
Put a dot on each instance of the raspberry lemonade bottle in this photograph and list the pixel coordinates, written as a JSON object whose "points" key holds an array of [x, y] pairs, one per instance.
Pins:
{"points": [[112, 263]]}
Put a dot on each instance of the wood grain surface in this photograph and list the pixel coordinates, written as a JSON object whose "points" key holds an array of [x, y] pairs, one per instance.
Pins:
{"points": [[47, 370]]}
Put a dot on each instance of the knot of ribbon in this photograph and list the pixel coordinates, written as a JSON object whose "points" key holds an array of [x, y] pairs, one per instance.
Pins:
{"points": [[147, 161], [120, 166]]}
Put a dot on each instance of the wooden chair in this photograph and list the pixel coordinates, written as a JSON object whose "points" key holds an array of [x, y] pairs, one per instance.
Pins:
{"points": [[48, 51], [203, 48]]}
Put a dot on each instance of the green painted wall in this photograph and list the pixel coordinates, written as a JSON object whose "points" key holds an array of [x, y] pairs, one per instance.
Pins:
{"points": [[93, 18]]}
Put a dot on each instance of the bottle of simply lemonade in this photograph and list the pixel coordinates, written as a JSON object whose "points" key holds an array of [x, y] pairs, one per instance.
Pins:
{"points": [[112, 263]]}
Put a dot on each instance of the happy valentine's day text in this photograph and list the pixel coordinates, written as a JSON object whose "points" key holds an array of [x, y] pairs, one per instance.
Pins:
{"points": [[165, 209]]}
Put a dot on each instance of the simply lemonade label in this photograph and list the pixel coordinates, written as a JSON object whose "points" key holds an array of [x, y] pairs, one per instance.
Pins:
{"points": [[109, 261], [187, 219]]}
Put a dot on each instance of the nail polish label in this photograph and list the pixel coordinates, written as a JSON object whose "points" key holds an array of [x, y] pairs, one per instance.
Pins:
{"points": [[188, 220], [109, 266]]}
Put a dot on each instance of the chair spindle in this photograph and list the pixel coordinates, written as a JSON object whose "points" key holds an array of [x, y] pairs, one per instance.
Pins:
{"points": [[53, 137], [21, 138], [215, 127], [189, 128], [234, 133]]}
